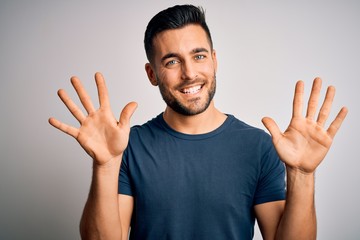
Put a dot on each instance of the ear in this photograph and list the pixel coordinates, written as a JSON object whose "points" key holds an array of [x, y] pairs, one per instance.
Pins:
{"points": [[151, 74], [213, 55]]}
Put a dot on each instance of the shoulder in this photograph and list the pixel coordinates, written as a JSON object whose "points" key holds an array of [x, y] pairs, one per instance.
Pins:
{"points": [[148, 132], [245, 130], [151, 125]]}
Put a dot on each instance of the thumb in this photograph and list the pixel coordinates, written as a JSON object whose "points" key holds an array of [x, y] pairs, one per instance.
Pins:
{"points": [[272, 127], [126, 113]]}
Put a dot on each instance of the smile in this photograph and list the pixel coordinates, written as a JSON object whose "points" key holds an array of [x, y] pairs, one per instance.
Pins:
{"points": [[192, 90]]}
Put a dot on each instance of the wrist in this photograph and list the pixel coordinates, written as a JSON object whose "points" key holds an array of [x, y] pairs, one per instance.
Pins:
{"points": [[298, 179], [113, 165], [298, 171]]}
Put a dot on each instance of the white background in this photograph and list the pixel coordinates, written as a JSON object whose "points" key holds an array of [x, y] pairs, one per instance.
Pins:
{"points": [[263, 48]]}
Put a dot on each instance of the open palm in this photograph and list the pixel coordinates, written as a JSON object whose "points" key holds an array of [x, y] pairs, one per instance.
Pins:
{"points": [[305, 142], [100, 134]]}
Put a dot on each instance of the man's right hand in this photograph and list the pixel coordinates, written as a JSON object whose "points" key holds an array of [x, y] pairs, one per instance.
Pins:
{"points": [[100, 134]]}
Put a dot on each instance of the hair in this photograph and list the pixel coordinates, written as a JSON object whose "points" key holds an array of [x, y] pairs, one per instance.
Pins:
{"points": [[174, 18]]}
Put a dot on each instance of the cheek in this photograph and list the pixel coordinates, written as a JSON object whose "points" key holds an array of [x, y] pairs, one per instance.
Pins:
{"points": [[169, 77], [207, 72], [208, 68]]}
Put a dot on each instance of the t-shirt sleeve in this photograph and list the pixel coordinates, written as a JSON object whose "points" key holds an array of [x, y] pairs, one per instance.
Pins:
{"points": [[124, 186], [271, 184]]}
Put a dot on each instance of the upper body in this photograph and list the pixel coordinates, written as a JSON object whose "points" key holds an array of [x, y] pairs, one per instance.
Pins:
{"points": [[199, 186], [183, 64]]}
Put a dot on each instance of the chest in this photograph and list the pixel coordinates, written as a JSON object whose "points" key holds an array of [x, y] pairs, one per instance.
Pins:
{"points": [[195, 176]]}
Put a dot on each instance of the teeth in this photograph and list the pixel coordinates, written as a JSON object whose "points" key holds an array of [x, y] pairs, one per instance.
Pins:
{"points": [[192, 90]]}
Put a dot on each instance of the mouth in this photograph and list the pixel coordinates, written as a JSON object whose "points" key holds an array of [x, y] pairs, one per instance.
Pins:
{"points": [[192, 90]]}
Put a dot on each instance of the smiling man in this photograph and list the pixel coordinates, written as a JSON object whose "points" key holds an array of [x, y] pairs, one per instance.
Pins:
{"points": [[194, 172], [184, 66]]}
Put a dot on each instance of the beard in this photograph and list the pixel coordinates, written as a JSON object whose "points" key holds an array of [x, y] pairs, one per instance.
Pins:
{"points": [[193, 106]]}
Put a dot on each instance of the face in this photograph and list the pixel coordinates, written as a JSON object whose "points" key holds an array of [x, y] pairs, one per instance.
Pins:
{"points": [[184, 68]]}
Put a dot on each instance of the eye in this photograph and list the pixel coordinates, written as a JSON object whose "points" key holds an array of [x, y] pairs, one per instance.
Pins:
{"points": [[199, 57], [171, 62]]}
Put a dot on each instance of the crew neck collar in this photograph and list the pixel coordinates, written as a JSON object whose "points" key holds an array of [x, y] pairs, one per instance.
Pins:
{"points": [[201, 136]]}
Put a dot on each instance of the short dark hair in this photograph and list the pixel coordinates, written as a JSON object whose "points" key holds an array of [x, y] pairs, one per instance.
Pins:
{"points": [[173, 18]]}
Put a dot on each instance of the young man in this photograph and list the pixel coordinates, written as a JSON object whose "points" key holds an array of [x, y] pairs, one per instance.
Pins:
{"points": [[193, 172]]}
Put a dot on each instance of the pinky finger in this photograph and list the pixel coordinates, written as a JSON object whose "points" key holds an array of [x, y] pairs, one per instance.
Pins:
{"points": [[336, 124], [72, 131]]}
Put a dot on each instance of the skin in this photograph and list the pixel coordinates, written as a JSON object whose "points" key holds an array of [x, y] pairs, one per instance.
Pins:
{"points": [[185, 60]]}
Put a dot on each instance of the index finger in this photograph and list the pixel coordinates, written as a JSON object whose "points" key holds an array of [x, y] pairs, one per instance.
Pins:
{"points": [[102, 90], [298, 99]]}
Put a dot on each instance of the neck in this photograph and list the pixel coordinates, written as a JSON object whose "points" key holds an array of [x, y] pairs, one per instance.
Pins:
{"points": [[204, 122]]}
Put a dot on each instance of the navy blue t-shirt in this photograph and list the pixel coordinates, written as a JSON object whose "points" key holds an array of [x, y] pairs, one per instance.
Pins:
{"points": [[200, 186]]}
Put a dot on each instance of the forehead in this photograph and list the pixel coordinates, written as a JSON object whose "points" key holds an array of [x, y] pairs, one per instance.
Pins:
{"points": [[180, 41]]}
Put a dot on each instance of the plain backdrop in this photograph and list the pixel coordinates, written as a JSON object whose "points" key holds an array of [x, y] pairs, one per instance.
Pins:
{"points": [[263, 48]]}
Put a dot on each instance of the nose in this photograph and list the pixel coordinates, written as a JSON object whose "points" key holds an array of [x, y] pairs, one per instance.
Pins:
{"points": [[188, 71]]}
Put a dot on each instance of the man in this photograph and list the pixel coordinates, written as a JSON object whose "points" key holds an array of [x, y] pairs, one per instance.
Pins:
{"points": [[194, 172]]}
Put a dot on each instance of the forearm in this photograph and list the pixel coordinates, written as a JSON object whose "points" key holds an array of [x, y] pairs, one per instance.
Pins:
{"points": [[299, 217], [101, 219]]}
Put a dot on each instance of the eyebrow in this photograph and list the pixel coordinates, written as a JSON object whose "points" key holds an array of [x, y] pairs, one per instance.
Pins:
{"points": [[198, 50], [169, 55], [175, 55]]}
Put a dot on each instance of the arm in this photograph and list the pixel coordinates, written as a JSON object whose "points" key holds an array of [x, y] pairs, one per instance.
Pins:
{"points": [[294, 218], [302, 147], [107, 214], [104, 139]]}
